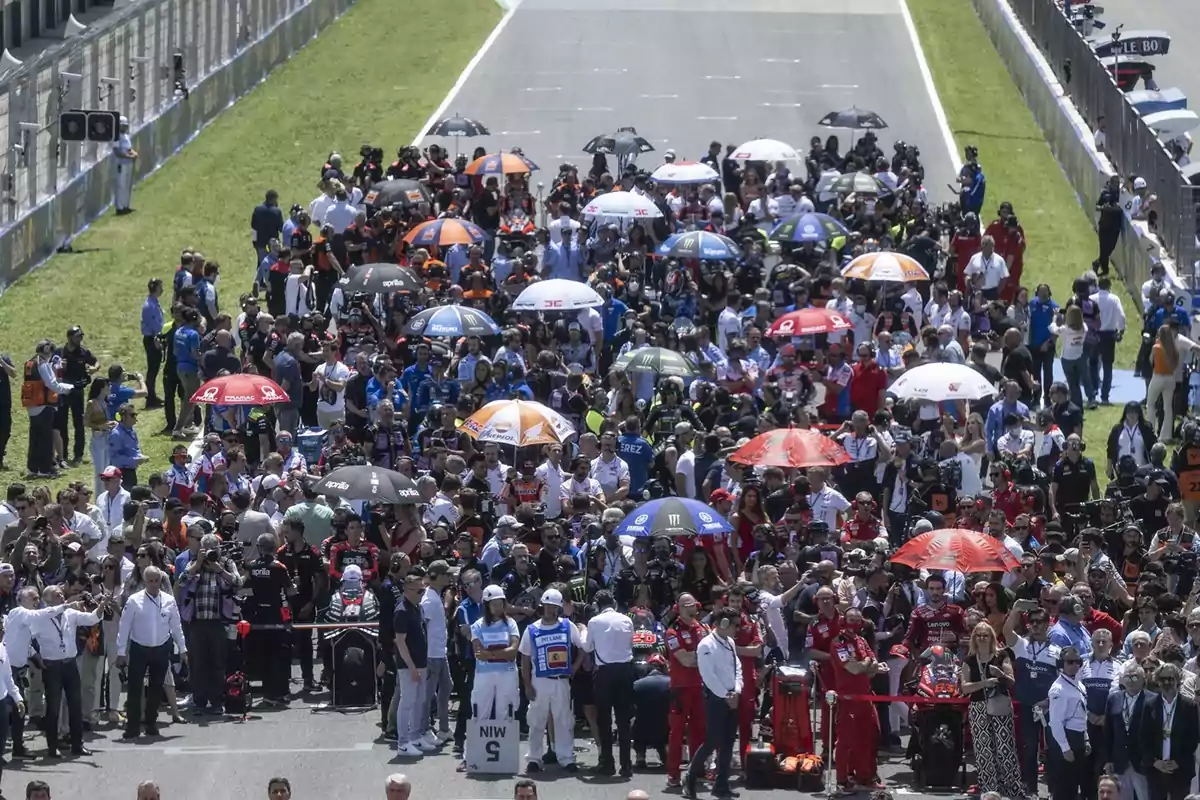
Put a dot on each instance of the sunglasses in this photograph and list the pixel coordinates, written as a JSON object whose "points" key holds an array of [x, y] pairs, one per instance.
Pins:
{"points": [[1071, 661]]}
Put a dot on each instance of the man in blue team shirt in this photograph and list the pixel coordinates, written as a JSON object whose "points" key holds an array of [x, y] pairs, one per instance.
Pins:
{"points": [[152, 325], [412, 377], [186, 346], [124, 450], [637, 453], [470, 609], [1036, 665], [1009, 404], [118, 393]]}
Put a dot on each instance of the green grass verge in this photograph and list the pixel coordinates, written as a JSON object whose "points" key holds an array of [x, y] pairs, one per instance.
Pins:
{"points": [[330, 96], [984, 108]]}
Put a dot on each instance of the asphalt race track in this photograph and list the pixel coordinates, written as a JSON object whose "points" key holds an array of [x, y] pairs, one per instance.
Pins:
{"points": [[560, 72], [1180, 68]]}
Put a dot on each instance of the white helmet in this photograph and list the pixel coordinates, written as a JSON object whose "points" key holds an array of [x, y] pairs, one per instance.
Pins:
{"points": [[492, 592], [552, 597]]}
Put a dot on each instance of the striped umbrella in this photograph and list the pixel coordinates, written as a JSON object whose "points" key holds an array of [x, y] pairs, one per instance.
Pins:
{"points": [[809, 227], [500, 164], [445, 232], [657, 360], [885, 266], [519, 423], [451, 321], [704, 245]]}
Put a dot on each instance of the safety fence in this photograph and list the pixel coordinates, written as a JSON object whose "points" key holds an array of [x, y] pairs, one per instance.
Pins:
{"points": [[170, 66], [1132, 147]]}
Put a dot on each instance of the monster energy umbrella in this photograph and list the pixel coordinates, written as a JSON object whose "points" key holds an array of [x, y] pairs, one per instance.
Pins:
{"points": [[673, 516], [658, 360], [451, 321]]}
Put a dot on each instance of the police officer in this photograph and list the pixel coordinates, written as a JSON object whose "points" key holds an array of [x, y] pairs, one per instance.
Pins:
{"points": [[550, 649], [270, 585], [125, 157]]}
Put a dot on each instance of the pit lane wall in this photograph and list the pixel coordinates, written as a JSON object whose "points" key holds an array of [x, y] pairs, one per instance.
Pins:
{"points": [[1072, 142], [52, 190]]}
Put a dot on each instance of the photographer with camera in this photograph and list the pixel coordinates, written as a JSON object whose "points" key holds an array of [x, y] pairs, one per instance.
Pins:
{"points": [[1175, 547], [211, 582]]}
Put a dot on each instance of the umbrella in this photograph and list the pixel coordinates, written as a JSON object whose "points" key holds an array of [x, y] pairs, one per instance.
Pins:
{"points": [[457, 126], [791, 447], [956, 549], [624, 205], [673, 516], [858, 183], [766, 150], [658, 360], [854, 118], [382, 279], [885, 266], [938, 382], [400, 191], [242, 389], [500, 164], [808, 321], [622, 144], [809, 227], [557, 294], [685, 172], [369, 483], [519, 423], [451, 321], [445, 232], [700, 244]]}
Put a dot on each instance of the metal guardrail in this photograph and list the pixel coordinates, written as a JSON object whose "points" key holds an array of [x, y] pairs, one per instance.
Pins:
{"points": [[1130, 145]]}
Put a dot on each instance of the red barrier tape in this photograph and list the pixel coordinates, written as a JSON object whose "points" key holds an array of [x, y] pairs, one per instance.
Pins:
{"points": [[911, 698]]}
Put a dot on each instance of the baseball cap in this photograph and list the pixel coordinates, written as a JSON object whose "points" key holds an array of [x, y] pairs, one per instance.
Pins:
{"points": [[720, 496], [75, 331], [73, 549], [110, 472], [922, 526], [492, 592], [437, 568], [173, 504], [1139, 183], [508, 521], [550, 597], [7, 569]]}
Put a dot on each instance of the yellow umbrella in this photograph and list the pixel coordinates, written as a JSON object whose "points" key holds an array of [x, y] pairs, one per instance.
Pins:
{"points": [[518, 423], [885, 266]]}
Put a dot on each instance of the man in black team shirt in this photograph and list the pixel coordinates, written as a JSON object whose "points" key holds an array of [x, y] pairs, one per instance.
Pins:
{"points": [[1017, 365]]}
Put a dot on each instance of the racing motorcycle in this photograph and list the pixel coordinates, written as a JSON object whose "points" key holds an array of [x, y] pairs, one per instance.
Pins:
{"points": [[516, 229], [935, 750]]}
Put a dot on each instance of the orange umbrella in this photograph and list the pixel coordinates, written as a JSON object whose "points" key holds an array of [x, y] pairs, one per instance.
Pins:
{"points": [[517, 422], [500, 164], [956, 549], [885, 266], [445, 232]]}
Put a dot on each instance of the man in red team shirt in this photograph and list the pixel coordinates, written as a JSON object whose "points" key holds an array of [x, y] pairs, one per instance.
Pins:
{"points": [[687, 693], [747, 640], [821, 631], [864, 526], [868, 381], [857, 722], [936, 622]]}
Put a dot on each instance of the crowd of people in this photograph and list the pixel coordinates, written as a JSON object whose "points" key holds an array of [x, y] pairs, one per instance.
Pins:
{"points": [[510, 584]]}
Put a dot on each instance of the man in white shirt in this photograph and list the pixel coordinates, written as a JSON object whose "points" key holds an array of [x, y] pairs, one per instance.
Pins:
{"points": [[610, 471], [992, 268], [340, 213], [1112, 328], [149, 625], [57, 642], [94, 539], [729, 322], [437, 683], [842, 304], [561, 223], [112, 500], [826, 503], [685, 464], [321, 204], [721, 673], [1068, 748], [329, 382], [610, 636], [551, 475]]}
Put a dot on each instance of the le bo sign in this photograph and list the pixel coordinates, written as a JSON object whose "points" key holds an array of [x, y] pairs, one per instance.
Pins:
{"points": [[493, 747], [1149, 43]]}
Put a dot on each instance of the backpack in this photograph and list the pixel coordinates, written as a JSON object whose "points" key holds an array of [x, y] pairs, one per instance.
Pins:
{"points": [[237, 693]]}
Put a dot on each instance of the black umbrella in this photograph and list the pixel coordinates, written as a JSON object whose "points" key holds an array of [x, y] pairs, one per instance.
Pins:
{"points": [[369, 483], [397, 192], [458, 126], [624, 144], [381, 279], [854, 118]]}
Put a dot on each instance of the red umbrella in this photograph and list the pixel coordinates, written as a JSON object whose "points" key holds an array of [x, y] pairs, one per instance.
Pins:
{"points": [[791, 447], [808, 321], [240, 390], [956, 549]]}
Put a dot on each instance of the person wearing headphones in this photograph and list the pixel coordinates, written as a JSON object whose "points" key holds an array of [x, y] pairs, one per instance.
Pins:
{"points": [[857, 726], [551, 649], [721, 675], [864, 525], [1068, 751], [687, 693]]}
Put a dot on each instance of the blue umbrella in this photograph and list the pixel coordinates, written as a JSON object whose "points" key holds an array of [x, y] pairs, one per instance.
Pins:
{"points": [[700, 244], [451, 321], [673, 516], [808, 228]]}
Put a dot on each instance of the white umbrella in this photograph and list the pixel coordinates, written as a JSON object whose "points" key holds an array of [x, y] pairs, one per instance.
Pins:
{"points": [[1172, 123], [557, 294], [767, 150], [938, 382], [685, 172], [622, 205]]}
